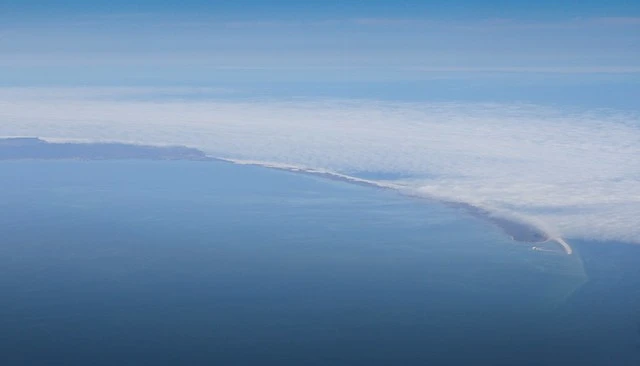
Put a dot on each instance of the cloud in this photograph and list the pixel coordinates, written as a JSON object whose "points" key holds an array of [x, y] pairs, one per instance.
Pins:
{"points": [[577, 173]]}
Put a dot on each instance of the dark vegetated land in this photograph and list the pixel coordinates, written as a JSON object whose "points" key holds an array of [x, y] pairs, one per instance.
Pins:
{"points": [[35, 148]]}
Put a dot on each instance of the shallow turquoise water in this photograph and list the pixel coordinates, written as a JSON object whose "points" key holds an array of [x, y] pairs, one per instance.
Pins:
{"points": [[198, 263]]}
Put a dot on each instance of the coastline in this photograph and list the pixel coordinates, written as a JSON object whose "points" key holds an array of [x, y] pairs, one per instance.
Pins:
{"points": [[35, 148], [516, 230]]}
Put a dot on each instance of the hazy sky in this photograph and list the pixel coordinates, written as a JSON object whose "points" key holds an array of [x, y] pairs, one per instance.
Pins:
{"points": [[206, 42]]}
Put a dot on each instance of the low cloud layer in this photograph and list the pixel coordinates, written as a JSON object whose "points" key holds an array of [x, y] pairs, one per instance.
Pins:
{"points": [[573, 173]]}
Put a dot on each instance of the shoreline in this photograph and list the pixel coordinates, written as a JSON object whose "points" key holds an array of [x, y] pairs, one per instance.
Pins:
{"points": [[518, 231], [36, 148]]}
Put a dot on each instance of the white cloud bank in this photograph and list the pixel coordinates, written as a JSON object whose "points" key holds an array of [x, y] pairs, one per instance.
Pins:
{"points": [[575, 174]]}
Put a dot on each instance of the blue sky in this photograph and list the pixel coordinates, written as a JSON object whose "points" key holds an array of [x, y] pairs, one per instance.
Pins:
{"points": [[528, 50], [288, 8]]}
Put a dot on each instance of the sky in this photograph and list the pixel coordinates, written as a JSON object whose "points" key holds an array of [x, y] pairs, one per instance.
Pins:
{"points": [[527, 109], [296, 8], [257, 43]]}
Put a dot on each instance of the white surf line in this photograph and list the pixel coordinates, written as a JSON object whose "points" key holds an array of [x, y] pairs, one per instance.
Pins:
{"points": [[567, 248], [540, 249], [314, 171]]}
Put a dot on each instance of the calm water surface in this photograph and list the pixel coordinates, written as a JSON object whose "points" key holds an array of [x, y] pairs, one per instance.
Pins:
{"points": [[199, 263]]}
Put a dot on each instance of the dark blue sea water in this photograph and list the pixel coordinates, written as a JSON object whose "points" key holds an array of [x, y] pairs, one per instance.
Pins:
{"points": [[200, 263]]}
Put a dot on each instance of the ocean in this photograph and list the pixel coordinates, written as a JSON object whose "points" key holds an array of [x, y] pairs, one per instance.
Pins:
{"points": [[211, 263]]}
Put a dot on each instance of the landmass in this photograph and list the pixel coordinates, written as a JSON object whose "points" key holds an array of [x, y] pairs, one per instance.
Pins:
{"points": [[20, 148], [518, 231]]}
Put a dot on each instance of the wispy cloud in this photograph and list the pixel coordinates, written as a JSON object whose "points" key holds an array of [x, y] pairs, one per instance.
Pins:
{"points": [[575, 172]]}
